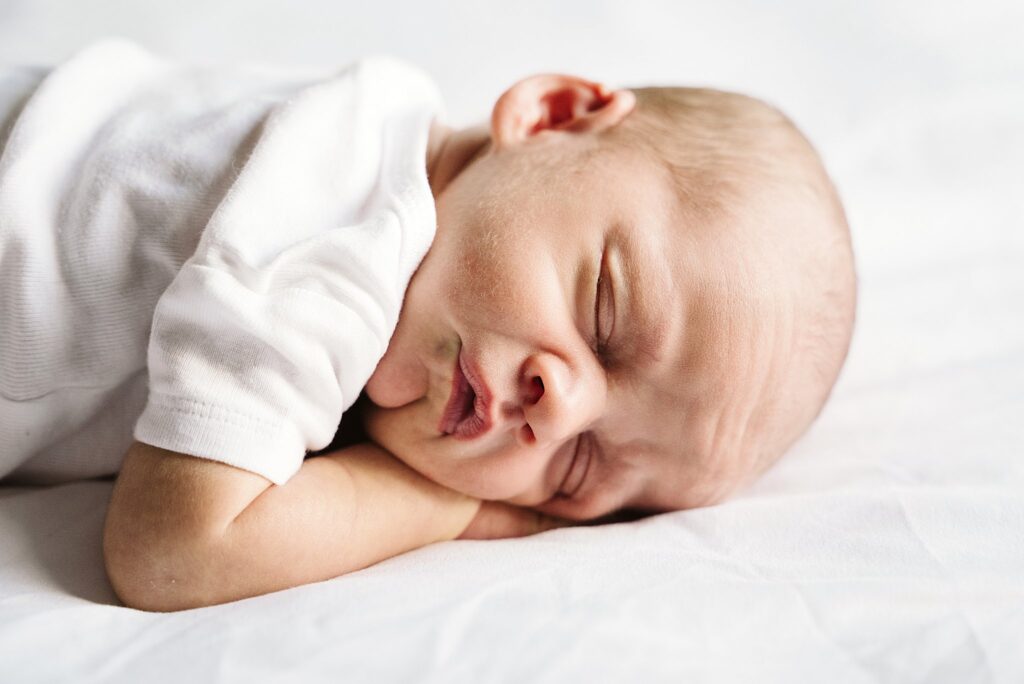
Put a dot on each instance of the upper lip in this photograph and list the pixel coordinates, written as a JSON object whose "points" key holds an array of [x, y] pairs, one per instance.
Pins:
{"points": [[479, 385]]}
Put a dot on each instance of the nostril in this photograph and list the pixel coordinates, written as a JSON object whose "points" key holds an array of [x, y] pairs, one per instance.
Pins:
{"points": [[536, 390], [527, 436]]}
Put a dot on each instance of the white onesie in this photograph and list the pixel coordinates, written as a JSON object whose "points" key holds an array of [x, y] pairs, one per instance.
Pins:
{"points": [[208, 260]]}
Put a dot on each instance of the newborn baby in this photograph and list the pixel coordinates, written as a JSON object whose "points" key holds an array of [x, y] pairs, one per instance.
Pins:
{"points": [[605, 300]]}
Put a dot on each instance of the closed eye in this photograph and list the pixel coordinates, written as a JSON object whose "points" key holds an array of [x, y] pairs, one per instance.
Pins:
{"points": [[560, 492], [604, 309], [579, 468]]}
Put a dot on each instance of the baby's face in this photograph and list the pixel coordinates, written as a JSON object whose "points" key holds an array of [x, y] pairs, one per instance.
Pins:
{"points": [[603, 373]]}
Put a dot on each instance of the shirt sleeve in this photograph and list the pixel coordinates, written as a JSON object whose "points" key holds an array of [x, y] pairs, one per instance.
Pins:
{"points": [[271, 329]]}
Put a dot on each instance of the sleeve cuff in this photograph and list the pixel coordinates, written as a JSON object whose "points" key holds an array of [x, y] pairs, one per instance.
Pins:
{"points": [[269, 447]]}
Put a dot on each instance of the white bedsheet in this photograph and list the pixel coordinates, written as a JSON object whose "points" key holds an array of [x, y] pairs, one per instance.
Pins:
{"points": [[887, 547]]}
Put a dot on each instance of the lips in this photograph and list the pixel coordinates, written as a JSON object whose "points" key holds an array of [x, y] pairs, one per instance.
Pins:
{"points": [[466, 414]]}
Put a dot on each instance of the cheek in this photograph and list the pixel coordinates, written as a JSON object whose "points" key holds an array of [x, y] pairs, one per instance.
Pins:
{"points": [[400, 376], [421, 346], [506, 309], [488, 277], [507, 475]]}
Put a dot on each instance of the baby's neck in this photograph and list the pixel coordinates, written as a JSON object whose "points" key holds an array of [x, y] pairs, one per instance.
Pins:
{"points": [[449, 151]]}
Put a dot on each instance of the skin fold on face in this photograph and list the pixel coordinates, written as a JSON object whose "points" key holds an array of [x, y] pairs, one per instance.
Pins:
{"points": [[565, 271]]}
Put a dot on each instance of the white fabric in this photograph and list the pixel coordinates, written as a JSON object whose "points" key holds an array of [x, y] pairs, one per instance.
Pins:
{"points": [[887, 548], [290, 213]]}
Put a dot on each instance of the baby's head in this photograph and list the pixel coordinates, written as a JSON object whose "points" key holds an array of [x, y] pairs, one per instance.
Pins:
{"points": [[649, 292]]}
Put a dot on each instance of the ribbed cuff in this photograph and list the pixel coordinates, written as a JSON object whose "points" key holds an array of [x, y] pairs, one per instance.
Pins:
{"points": [[269, 447]]}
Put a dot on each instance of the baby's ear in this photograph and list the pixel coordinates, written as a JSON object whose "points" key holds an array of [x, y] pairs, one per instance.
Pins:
{"points": [[555, 102]]}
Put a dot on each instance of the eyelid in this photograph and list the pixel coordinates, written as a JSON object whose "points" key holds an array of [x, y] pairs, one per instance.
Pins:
{"points": [[604, 303], [559, 493], [584, 440]]}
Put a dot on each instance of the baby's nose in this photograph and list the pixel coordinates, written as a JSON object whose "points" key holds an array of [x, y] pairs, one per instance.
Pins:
{"points": [[557, 400]]}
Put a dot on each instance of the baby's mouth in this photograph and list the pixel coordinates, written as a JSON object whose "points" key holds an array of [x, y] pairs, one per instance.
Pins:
{"points": [[465, 414]]}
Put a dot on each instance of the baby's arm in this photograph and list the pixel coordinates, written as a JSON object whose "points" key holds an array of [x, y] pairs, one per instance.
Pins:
{"points": [[183, 532]]}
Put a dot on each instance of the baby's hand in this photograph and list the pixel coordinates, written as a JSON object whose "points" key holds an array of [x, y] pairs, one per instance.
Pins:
{"points": [[498, 520]]}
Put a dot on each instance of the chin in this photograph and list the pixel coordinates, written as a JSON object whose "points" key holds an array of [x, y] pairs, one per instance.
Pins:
{"points": [[460, 476], [381, 394], [374, 419]]}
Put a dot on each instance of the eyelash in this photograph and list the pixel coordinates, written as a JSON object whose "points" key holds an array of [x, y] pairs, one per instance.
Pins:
{"points": [[576, 456], [600, 346]]}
